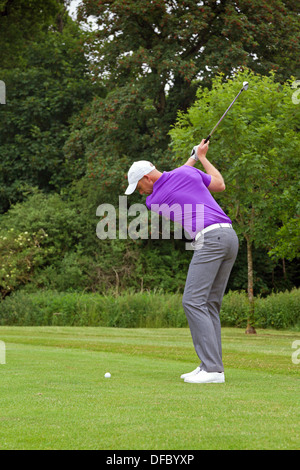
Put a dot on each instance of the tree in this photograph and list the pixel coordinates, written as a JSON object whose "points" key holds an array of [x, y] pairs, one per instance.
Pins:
{"points": [[42, 97], [287, 243], [250, 148], [165, 45], [109, 134], [23, 22], [151, 56]]}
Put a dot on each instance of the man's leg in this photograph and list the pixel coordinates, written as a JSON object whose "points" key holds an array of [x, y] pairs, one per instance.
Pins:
{"points": [[214, 301], [205, 285]]}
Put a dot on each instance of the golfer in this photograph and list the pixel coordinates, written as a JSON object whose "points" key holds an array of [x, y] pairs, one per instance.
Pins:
{"points": [[215, 249]]}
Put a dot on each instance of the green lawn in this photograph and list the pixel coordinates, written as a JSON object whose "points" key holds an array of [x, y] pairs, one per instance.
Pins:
{"points": [[54, 394]]}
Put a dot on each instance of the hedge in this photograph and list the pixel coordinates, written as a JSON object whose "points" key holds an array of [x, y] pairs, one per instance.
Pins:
{"points": [[144, 309]]}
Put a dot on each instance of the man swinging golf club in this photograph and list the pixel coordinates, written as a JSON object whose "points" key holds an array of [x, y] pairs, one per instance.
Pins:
{"points": [[215, 248]]}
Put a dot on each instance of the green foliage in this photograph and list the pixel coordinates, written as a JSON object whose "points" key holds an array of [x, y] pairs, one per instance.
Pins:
{"points": [[281, 310], [249, 148], [73, 272], [110, 134], [235, 309], [72, 258], [145, 66], [36, 235], [34, 124], [151, 57], [140, 310], [75, 309], [278, 310], [20, 253], [287, 241], [35, 16], [165, 42], [47, 213]]}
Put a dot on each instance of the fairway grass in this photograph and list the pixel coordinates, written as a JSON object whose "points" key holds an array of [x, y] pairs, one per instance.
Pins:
{"points": [[54, 394]]}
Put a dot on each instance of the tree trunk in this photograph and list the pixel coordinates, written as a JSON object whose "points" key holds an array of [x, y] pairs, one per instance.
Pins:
{"points": [[160, 102], [250, 328], [284, 268]]}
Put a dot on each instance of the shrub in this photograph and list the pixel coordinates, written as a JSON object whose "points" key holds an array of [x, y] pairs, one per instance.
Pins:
{"points": [[235, 309], [73, 309], [278, 311], [144, 309], [20, 253]]}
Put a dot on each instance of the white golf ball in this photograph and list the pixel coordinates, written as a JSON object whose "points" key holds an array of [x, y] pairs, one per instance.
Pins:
{"points": [[107, 375]]}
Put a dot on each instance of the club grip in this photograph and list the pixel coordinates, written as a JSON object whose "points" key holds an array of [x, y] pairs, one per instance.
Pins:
{"points": [[207, 139]]}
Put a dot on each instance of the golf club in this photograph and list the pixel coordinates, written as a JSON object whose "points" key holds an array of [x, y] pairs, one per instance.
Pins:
{"points": [[245, 87]]}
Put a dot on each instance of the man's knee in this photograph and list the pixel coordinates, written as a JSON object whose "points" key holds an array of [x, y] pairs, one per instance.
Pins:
{"points": [[183, 301], [190, 303], [186, 302]]}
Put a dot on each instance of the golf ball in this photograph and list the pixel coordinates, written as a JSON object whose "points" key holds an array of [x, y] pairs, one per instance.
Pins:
{"points": [[107, 375]]}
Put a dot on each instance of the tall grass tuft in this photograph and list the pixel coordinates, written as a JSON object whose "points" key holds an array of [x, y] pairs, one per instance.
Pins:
{"points": [[141, 310]]}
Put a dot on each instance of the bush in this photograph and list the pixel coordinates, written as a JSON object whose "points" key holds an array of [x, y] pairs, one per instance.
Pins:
{"points": [[142, 310], [20, 253], [279, 311], [235, 309], [49, 214], [74, 309]]}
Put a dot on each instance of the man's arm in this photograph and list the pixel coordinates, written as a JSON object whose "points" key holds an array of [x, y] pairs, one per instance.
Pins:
{"points": [[217, 183]]}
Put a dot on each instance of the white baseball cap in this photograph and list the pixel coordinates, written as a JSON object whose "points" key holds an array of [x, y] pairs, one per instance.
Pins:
{"points": [[136, 172]]}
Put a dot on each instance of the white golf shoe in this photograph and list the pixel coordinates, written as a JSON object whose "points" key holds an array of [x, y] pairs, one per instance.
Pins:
{"points": [[190, 374], [203, 377]]}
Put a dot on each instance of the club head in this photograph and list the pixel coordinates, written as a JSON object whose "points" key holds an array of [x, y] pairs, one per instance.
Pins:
{"points": [[245, 85]]}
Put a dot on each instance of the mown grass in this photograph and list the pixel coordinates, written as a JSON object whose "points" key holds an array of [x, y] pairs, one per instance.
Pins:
{"points": [[54, 394]]}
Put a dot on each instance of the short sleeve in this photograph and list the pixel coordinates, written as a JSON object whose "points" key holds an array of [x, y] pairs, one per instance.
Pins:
{"points": [[205, 177]]}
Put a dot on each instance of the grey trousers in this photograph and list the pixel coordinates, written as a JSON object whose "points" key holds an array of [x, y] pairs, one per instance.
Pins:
{"points": [[206, 282]]}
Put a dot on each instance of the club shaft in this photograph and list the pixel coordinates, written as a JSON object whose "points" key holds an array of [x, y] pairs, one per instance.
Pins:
{"points": [[207, 138]]}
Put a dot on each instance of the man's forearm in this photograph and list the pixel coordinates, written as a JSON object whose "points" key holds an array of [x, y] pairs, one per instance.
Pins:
{"points": [[190, 162], [217, 181], [210, 169]]}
